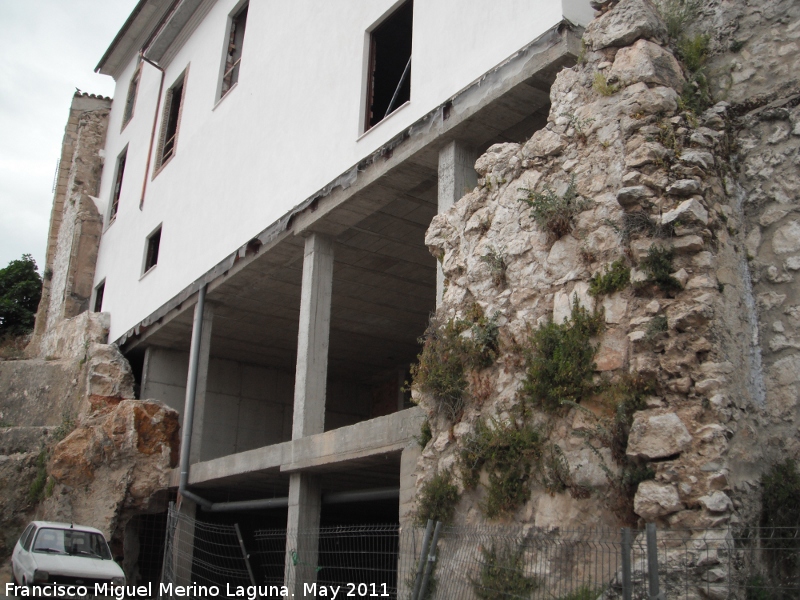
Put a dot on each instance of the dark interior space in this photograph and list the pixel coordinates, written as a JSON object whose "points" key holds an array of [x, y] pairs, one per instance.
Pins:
{"points": [[390, 68]]}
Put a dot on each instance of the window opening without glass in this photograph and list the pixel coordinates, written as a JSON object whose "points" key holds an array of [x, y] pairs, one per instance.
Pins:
{"points": [[151, 250], [130, 101], [234, 51], [171, 121], [389, 67], [98, 296], [117, 184]]}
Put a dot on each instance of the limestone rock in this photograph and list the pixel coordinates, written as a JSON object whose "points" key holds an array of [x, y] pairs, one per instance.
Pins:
{"points": [[688, 244], [688, 211], [684, 187], [496, 154], [119, 459], [698, 158], [648, 63], [657, 436], [613, 351], [648, 153], [629, 196], [787, 238], [716, 502], [690, 316], [543, 143], [627, 22], [654, 500]]}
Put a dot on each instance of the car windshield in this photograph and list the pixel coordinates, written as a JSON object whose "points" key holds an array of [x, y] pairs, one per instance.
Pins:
{"points": [[72, 542]]}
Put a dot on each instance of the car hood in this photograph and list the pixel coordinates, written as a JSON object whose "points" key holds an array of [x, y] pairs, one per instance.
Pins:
{"points": [[77, 566]]}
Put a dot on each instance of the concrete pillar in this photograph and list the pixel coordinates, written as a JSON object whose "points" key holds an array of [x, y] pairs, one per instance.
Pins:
{"points": [[302, 536], [457, 176], [313, 337], [202, 385], [408, 491], [305, 496]]}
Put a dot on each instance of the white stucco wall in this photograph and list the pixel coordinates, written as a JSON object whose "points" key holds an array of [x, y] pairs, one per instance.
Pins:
{"points": [[291, 125]]}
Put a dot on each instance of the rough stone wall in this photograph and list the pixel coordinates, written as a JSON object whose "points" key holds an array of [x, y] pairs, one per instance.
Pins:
{"points": [[75, 222], [71, 421], [720, 189]]}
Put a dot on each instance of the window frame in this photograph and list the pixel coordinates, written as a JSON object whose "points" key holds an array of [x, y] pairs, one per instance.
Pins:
{"points": [[130, 98], [169, 98], [99, 294], [370, 63], [147, 253], [233, 16], [116, 187]]}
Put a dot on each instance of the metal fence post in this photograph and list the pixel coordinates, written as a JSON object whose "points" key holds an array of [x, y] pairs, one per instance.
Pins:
{"points": [[627, 579], [423, 555], [652, 563], [245, 555], [431, 560]]}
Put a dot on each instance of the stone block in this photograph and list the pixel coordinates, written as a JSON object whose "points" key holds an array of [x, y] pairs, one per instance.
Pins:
{"points": [[627, 22], [655, 435]]}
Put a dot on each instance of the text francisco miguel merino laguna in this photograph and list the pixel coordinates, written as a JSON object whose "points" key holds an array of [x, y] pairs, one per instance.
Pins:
{"points": [[310, 590]]}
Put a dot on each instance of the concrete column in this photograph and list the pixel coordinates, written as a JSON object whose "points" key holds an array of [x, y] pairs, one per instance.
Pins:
{"points": [[457, 176], [313, 337], [202, 385], [302, 536], [408, 492], [305, 496]]}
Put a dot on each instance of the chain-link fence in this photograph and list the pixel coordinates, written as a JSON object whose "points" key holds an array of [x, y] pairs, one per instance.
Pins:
{"points": [[522, 562]]}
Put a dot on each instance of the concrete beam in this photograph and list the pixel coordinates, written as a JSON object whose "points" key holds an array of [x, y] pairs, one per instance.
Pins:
{"points": [[457, 176], [368, 438], [376, 436], [313, 337]]}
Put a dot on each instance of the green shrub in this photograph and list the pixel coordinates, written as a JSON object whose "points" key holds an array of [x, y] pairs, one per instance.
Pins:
{"points": [[37, 488], [560, 361], [553, 213], [509, 454], [655, 327], [502, 574], [425, 434], [694, 51], [602, 87], [449, 351], [678, 14], [616, 278], [66, 427], [437, 499], [497, 266], [657, 265]]}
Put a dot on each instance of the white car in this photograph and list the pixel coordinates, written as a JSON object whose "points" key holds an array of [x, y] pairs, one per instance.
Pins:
{"points": [[63, 553]]}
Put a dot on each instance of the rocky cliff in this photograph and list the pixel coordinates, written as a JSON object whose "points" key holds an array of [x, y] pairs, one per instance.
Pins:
{"points": [[618, 339]]}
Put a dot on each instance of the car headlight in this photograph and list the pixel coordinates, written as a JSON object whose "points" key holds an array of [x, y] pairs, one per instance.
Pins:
{"points": [[40, 576], [117, 581]]}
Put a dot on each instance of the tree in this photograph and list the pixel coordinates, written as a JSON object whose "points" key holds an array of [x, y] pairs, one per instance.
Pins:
{"points": [[20, 291]]}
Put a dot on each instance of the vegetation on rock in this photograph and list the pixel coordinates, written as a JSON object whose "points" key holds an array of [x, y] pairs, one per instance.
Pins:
{"points": [[614, 279], [502, 574], [449, 351], [555, 213], [437, 499], [560, 361], [657, 265]]}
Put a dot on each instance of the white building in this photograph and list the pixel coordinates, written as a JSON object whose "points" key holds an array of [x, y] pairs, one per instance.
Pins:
{"points": [[283, 160]]}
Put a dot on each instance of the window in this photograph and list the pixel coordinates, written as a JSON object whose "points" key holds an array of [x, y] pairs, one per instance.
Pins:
{"points": [[26, 536], [99, 292], [130, 101], [389, 67], [117, 185], [151, 249], [233, 53], [170, 123]]}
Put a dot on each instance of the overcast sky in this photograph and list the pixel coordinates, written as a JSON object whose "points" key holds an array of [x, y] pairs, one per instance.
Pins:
{"points": [[47, 49]]}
